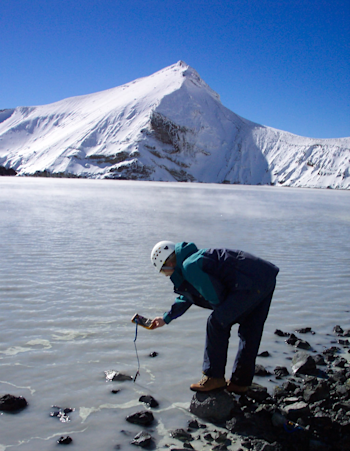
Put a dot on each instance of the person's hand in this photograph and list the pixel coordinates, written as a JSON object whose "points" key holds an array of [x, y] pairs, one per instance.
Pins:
{"points": [[157, 322]]}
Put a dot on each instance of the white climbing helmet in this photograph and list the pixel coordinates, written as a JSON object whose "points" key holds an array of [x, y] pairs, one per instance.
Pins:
{"points": [[161, 252]]}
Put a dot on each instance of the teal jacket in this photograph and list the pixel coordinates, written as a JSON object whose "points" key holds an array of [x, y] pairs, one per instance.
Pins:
{"points": [[217, 279]]}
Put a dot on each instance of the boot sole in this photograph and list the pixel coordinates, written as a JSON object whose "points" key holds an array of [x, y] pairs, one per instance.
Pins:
{"points": [[213, 390]]}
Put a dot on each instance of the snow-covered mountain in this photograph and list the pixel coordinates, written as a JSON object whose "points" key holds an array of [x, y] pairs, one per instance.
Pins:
{"points": [[168, 126]]}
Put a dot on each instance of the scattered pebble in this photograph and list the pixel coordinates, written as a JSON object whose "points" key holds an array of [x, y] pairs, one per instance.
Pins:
{"points": [[65, 440]]}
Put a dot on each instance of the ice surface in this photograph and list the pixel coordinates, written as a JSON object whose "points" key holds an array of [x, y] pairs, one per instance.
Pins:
{"points": [[75, 267]]}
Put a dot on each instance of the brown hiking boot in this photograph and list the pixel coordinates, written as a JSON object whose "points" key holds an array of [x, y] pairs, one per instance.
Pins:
{"points": [[234, 388], [209, 383]]}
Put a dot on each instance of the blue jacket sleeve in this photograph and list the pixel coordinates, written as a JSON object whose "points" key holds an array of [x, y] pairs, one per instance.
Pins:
{"points": [[180, 306]]}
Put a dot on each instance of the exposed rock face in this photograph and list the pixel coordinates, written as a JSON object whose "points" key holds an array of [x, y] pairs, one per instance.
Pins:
{"points": [[7, 171]]}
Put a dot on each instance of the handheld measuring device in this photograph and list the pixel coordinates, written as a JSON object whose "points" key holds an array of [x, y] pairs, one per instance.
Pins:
{"points": [[141, 321]]}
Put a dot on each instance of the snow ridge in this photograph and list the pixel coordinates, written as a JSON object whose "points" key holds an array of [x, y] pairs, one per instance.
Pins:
{"points": [[168, 126]]}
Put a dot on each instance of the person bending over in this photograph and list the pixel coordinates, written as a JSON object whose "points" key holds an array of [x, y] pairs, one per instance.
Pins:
{"points": [[237, 286]]}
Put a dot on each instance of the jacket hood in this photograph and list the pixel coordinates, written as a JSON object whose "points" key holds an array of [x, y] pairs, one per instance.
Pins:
{"points": [[184, 250]]}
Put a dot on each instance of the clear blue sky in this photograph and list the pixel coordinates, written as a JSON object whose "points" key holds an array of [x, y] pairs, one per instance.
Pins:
{"points": [[281, 63]]}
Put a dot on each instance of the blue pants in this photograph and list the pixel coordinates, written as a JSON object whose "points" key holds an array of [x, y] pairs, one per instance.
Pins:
{"points": [[251, 325]]}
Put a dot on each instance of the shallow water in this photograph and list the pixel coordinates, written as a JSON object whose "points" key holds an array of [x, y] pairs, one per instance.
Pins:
{"points": [[74, 268]]}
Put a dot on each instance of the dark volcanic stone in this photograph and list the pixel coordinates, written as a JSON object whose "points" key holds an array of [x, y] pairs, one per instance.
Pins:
{"points": [[153, 354], [292, 339], [305, 330], [302, 344], [340, 362], [65, 440], [144, 418], [313, 394], [338, 330], [343, 342], [215, 407], [319, 359], [258, 393], [296, 410], [264, 354], [260, 370], [193, 424], [181, 434], [149, 400], [10, 403], [112, 375], [281, 371], [143, 439], [303, 363], [281, 334]]}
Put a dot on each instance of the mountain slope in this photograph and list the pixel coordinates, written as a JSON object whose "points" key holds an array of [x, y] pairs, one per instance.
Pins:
{"points": [[168, 126]]}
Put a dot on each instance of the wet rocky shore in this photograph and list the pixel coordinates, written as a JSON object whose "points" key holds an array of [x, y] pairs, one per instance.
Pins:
{"points": [[308, 410]]}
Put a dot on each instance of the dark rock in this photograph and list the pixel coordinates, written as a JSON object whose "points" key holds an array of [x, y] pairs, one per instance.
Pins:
{"points": [[305, 330], [149, 400], [258, 393], [292, 339], [188, 446], [343, 391], [143, 418], [337, 377], [246, 425], [112, 375], [222, 438], [208, 437], [215, 407], [260, 370], [302, 344], [340, 362], [11, 403], [344, 405], [338, 330], [193, 424], [65, 440], [115, 391], [319, 359], [143, 439], [303, 363], [7, 171], [289, 386], [281, 334], [220, 447], [181, 434], [331, 352], [264, 354], [281, 371], [297, 410], [313, 394], [279, 392], [153, 354], [343, 342]]}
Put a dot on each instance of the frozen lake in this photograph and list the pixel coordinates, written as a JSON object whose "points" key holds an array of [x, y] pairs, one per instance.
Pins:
{"points": [[75, 266]]}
